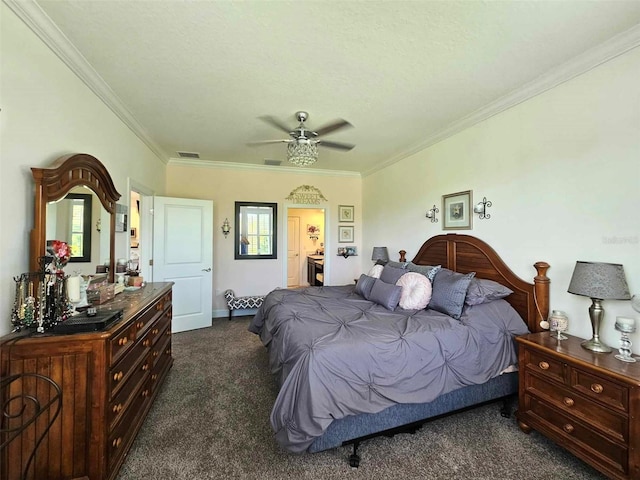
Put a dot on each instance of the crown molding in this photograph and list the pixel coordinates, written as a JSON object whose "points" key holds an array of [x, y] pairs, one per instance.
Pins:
{"points": [[612, 48], [190, 162], [40, 23]]}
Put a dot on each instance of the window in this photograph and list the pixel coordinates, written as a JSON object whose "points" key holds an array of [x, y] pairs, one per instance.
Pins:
{"points": [[256, 230]]}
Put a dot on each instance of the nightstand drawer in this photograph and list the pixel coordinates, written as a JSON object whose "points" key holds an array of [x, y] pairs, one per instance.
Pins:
{"points": [[600, 389], [545, 365], [607, 421], [584, 438]]}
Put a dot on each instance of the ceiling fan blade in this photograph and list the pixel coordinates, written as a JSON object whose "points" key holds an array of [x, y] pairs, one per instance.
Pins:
{"points": [[339, 146], [274, 122], [332, 127], [266, 142]]}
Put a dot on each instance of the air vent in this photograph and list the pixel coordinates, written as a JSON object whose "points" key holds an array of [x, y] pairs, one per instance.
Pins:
{"points": [[275, 163], [188, 155]]}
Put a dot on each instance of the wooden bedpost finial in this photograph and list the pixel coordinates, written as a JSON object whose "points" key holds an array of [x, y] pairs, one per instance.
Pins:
{"points": [[541, 290], [402, 255]]}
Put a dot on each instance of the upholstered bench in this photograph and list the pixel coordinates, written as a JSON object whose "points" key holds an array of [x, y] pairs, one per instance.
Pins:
{"points": [[237, 303]]}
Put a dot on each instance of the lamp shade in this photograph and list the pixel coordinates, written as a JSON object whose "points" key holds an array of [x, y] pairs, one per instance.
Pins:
{"points": [[599, 280], [380, 254]]}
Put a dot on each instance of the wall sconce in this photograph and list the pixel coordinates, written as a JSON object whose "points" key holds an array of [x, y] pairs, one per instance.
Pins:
{"points": [[481, 208], [226, 228], [431, 214]]}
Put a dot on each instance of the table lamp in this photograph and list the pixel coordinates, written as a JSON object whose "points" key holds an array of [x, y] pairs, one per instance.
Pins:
{"points": [[380, 255], [598, 281]]}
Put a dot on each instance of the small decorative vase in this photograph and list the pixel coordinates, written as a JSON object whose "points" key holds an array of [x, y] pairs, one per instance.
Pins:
{"points": [[559, 322]]}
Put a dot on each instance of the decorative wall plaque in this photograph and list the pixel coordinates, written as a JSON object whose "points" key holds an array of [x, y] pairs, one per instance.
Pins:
{"points": [[306, 194]]}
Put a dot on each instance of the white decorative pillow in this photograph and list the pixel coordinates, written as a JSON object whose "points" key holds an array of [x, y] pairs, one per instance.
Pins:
{"points": [[375, 271], [416, 291]]}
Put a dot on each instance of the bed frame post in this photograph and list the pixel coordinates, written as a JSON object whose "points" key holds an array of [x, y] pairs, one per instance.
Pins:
{"points": [[403, 257], [541, 292]]}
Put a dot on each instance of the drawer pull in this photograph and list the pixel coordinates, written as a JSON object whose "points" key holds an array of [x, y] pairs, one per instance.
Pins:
{"points": [[159, 306], [117, 408], [146, 343], [155, 331], [168, 351], [140, 325], [118, 376], [596, 388], [145, 367], [155, 353], [168, 333], [145, 392], [568, 428], [154, 377], [123, 341], [568, 401], [544, 365], [116, 443]]}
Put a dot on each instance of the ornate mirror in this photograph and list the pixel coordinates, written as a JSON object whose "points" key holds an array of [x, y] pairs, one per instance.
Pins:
{"points": [[61, 183]]}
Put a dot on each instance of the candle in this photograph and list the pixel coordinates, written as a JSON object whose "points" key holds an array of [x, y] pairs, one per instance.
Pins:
{"points": [[73, 288], [626, 324]]}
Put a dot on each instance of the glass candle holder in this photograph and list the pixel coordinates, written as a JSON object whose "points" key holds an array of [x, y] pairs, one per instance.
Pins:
{"points": [[625, 326]]}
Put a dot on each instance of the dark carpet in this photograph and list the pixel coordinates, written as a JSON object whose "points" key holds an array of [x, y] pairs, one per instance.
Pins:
{"points": [[211, 421]]}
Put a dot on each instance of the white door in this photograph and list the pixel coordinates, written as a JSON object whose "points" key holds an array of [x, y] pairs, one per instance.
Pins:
{"points": [[183, 254], [293, 251]]}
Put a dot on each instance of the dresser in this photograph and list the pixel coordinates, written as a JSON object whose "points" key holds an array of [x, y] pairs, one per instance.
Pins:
{"points": [[108, 382], [586, 402]]}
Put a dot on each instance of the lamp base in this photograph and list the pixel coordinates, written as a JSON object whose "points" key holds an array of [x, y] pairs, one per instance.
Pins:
{"points": [[596, 345]]}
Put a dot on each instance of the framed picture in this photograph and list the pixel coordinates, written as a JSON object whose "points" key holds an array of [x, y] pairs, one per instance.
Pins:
{"points": [[456, 208], [345, 234], [347, 251], [345, 213]]}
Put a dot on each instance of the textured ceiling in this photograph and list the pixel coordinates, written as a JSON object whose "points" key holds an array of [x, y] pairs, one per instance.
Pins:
{"points": [[195, 75]]}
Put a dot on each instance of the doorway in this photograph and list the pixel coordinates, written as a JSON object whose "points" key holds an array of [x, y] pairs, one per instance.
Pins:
{"points": [[305, 238], [140, 238]]}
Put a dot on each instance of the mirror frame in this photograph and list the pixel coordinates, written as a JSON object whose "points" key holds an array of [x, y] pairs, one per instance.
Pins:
{"points": [[238, 233], [87, 202], [55, 182]]}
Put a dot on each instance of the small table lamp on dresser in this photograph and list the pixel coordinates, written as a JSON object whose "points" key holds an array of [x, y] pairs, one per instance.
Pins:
{"points": [[599, 281]]}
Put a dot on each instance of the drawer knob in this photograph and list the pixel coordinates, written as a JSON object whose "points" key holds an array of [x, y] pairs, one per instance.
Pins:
{"points": [[155, 353], [168, 333], [123, 341], [145, 392], [116, 443], [568, 401], [145, 367], [118, 376], [117, 408], [544, 365], [155, 331], [140, 325], [146, 343], [568, 428], [154, 376], [168, 351], [596, 388]]}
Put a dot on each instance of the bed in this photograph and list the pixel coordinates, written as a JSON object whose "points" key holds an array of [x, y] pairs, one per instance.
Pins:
{"points": [[350, 368]]}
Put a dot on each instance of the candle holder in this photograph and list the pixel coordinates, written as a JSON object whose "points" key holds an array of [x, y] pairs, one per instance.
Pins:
{"points": [[625, 326]]}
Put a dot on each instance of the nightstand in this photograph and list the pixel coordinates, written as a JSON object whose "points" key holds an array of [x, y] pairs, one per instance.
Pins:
{"points": [[586, 402]]}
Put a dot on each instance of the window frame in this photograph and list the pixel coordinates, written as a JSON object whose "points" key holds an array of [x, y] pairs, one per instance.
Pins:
{"points": [[242, 210]]}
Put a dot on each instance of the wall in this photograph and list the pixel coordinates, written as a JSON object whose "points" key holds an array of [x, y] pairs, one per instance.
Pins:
{"points": [[48, 112], [226, 186], [563, 173]]}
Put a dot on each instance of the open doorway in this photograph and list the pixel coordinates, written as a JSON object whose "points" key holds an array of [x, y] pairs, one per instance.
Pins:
{"points": [[140, 238], [305, 246]]}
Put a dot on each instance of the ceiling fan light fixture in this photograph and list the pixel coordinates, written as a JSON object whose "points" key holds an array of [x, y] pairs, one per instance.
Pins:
{"points": [[302, 154]]}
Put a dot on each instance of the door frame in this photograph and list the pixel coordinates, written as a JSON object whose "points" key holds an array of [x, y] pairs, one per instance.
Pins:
{"points": [[327, 238]]}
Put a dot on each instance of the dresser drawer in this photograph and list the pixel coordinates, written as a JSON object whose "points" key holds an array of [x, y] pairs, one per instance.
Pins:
{"points": [[581, 436], [122, 401], [605, 391], [132, 362], [121, 343], [545, 365], [607, 421]]}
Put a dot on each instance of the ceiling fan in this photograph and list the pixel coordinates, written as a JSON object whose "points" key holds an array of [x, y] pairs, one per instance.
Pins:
{"points": [[302, 147]]}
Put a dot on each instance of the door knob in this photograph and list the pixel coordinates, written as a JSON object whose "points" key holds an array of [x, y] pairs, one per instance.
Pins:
{"points": [[206, 269]]}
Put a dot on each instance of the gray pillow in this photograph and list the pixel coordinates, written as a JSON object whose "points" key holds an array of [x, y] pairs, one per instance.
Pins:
{"points": [[449, 292], [484, 291], [402, 265], [385, 294], [391, 274], [429, 271], [364, 285]]}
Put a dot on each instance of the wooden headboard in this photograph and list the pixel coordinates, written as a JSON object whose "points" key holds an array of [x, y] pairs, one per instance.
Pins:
{"points": [[464, 254]]}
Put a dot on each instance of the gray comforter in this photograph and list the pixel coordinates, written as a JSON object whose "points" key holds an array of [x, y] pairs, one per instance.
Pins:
{"points": [[336, 354]]}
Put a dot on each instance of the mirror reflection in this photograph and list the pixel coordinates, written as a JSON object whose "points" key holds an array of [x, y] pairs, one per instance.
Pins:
{"points": [[80, 220], [256, 230]]}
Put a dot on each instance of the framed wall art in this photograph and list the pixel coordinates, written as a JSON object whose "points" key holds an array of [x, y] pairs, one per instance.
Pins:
{"points": [[456, 211], [345, 213], [345, 234]]}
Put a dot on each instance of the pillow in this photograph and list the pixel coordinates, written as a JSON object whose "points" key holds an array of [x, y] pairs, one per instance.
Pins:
{"points": [[402, 265], [375, 271], [484, 291], [364, 285], [391, 274], [449, 292], [416, 291], [428, 271], [385, 294]]}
